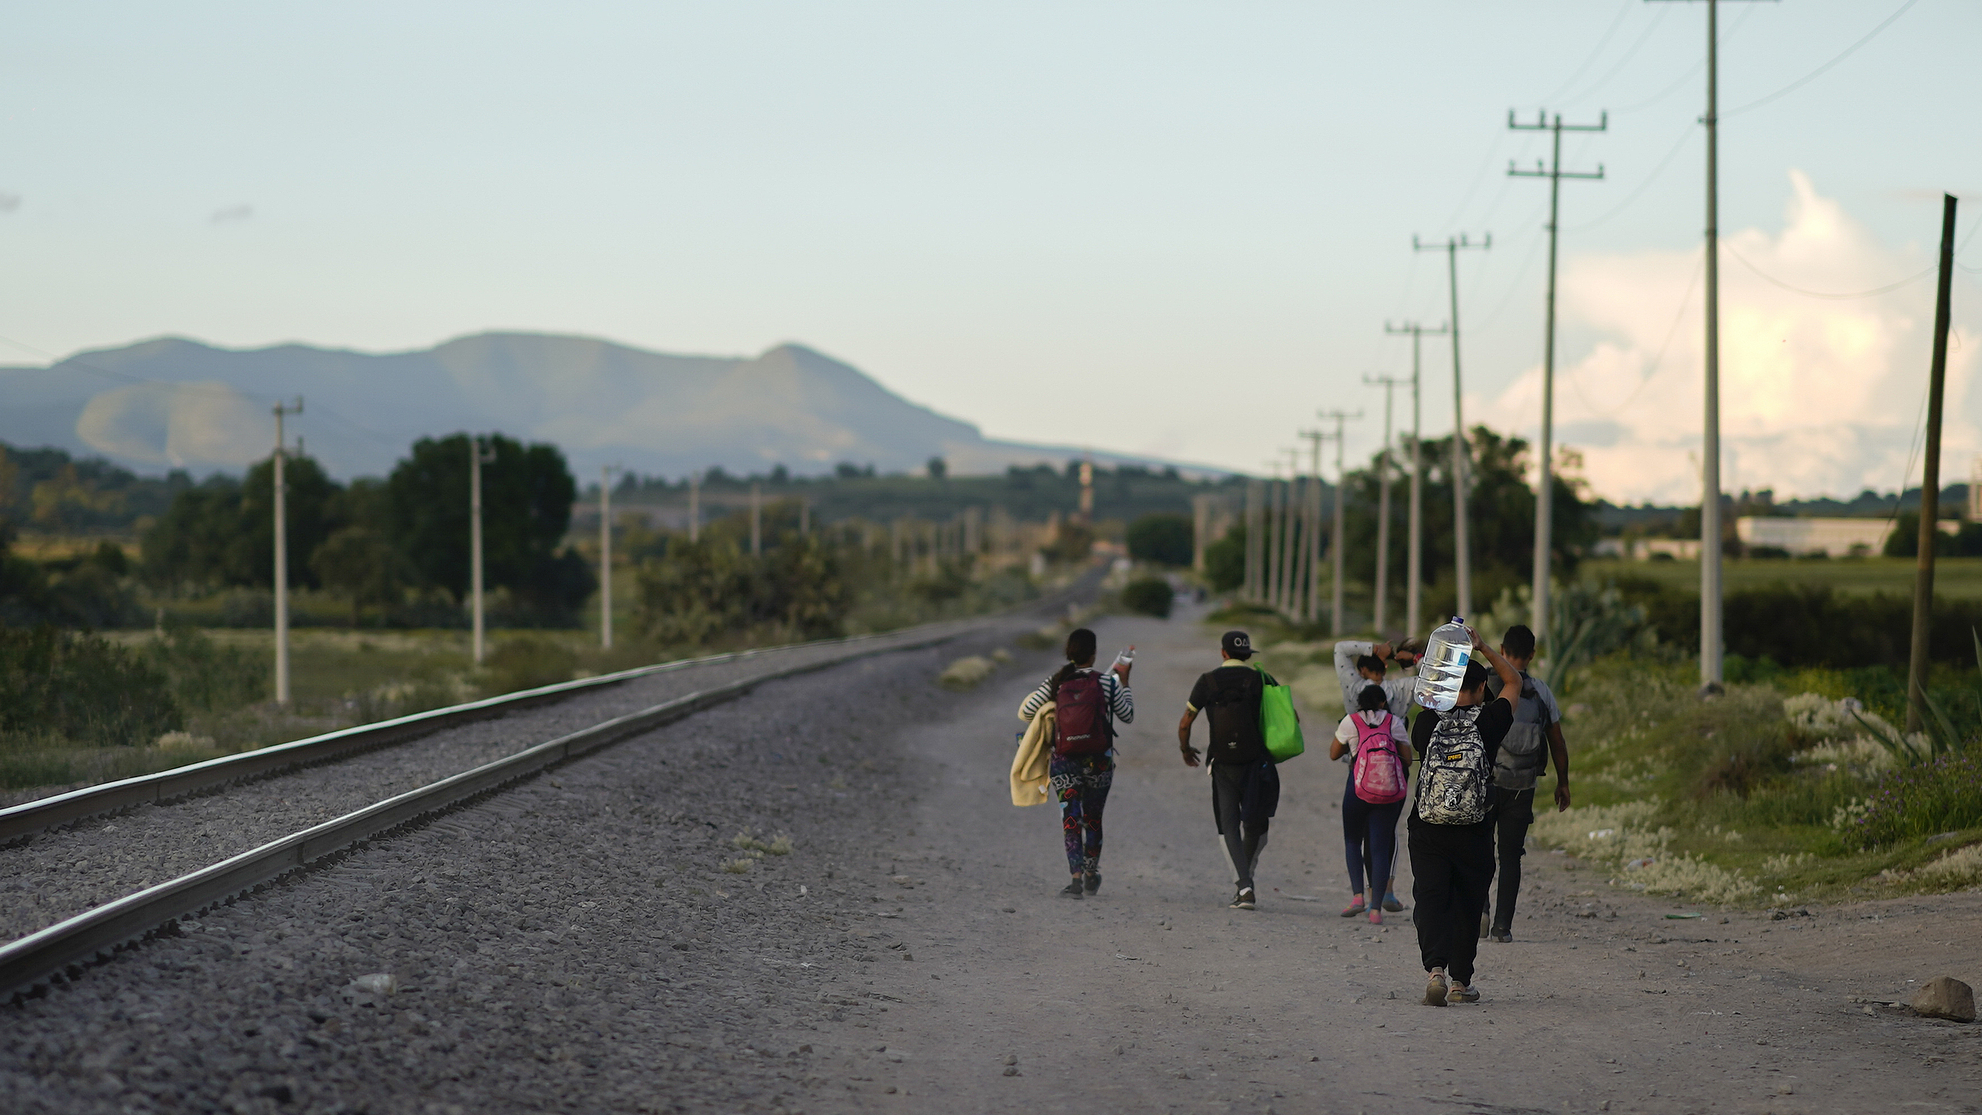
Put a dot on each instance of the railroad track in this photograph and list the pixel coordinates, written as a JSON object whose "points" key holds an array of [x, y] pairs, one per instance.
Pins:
{"points": [[49, 954]]}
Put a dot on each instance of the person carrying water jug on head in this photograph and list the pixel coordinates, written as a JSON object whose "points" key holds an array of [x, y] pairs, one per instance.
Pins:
{"points": [[1451, 822], [1524, 757], [1373, 741]]}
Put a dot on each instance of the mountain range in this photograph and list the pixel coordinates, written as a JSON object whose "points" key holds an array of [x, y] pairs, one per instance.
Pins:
{"points": [[176, 403]]}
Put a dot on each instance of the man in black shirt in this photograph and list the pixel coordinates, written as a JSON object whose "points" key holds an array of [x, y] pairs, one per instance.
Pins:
{"points": [[1245, 789], [1451, 824]]}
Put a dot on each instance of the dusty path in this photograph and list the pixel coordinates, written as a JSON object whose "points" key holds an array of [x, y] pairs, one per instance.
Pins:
{"points": [[576, 945], [1155, 997]]}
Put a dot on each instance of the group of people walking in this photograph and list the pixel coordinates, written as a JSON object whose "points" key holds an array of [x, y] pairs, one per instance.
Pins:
{"points": [[1466, 814]]}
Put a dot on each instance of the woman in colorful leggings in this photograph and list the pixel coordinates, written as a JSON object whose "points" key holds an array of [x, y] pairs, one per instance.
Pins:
{"points": [[1086, 703], [1378, 748]]}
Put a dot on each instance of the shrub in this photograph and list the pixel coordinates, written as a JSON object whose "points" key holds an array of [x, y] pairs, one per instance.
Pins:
{"points": [[966, 673], [81, 688], [1225, 561], [527, 663], [1148, 596], [1916, 801], [1162, 538]]}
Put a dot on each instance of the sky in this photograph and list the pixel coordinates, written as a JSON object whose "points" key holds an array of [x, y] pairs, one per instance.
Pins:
{"points": [[1165, 228]]}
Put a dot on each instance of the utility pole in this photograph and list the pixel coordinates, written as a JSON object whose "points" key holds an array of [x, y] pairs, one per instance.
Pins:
{"points": [[1462, 448], [605, 555], [1338, 596], [1255, 541], [1290, 558], [1270, 560], [1087, 490], [1545, 489], [1379, 608], [756, 519], [1414, 576], [1311, 540], [477, 457], [1930, 482], [694, 506], [282, 557], [1712, 646]]}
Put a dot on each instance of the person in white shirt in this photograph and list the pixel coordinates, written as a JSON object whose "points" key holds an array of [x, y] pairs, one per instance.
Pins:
{"points": [[1373, 741]]}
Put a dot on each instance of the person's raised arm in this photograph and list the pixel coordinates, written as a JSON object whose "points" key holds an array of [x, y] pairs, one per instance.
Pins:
{"points": [[1510, 678]]}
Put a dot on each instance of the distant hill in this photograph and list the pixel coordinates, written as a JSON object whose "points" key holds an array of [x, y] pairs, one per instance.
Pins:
{"points": [[175, 403]]}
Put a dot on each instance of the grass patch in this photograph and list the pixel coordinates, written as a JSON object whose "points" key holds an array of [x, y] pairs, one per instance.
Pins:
{"points": [[966, 673], [779, 845]]}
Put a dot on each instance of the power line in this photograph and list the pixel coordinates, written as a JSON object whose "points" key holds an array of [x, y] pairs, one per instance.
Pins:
{"points": [[1644, 381], [1644, 185], [1819, 71], [1887, 289], [1594, 52], [1643, 37]]}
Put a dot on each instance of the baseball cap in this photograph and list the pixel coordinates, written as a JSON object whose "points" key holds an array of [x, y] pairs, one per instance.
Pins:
{"points": [[1238, 644]]}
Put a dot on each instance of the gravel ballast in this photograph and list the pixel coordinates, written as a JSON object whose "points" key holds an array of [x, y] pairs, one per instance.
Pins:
{"points": [[57, 874], [593, 939]]}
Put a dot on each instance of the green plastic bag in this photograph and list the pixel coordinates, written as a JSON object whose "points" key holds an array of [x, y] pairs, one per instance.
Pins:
{"points": [[1278, 721]]}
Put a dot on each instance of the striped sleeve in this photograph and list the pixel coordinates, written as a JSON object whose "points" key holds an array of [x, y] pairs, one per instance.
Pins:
{"points": [[1121, 701], [1036, 700]]}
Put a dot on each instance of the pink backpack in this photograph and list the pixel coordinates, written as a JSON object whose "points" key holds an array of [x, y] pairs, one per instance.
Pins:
{"points": [[1379, 770]]}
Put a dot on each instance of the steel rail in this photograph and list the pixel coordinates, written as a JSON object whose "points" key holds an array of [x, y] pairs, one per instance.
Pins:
{"points": [[38, 958], [110, 797]]}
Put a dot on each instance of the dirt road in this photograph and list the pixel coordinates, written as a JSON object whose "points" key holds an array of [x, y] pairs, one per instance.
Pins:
{"points": [[1156, 997]]}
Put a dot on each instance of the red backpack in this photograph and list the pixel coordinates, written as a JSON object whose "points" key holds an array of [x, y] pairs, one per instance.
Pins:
{"points": [[1378, 769], [1080, 716]]}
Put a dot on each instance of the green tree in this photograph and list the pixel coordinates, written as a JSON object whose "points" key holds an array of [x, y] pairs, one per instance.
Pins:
{"points": [[1225, 560], [361, 565], [526, 506], [1165, 539], [222, 532]]}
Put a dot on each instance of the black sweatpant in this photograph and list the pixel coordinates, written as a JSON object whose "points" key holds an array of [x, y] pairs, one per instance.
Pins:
{"points": [[1452, 867], [1517, 811], [1244, 830]]}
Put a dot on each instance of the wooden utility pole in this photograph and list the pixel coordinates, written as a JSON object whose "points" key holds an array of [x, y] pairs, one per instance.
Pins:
{"points": [[1414, 564], [1462, 455], [1379, 608], [282, 555], [1930, 482], [1545, 487], [1339, 593]]}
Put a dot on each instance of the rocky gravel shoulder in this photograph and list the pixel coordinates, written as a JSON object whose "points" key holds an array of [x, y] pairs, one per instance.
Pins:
{"points": [[54, 875], [625, 933]]}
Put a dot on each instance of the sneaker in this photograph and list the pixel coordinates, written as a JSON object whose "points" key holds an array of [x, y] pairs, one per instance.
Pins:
{"points": [[1391, 904], [1500, 937], [1244, 900], [1436, 990], [1376, 917], [1461, 993], [1092, 880], [1353, 908], [1073, 890]]}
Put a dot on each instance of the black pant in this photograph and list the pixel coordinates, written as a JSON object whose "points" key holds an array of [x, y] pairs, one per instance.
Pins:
{"points": [[1452, 867], [1244, 831], [1517, 812]]}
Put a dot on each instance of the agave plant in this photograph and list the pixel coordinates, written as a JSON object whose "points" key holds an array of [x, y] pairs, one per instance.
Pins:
{"points": [[1941, 738]]}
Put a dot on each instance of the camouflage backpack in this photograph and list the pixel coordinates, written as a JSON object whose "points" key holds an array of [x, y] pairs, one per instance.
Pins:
{"points": [[1452, 782]]}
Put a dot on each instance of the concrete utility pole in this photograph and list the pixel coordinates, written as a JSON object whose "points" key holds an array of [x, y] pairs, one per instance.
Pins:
{"points": [[756, 519], [1379, 608], [1290, 557], [1270, 559], [1930, 482], [1545, 489], [605, 554], [477, 457], [1414, 576], [282, 556], [1711, 643], [1462, 447], [1255, 542], [1087, 490], [1340, 591], [1311, 533], [694, 506]]}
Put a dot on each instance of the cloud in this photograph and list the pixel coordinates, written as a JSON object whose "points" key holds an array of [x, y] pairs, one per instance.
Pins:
{"points": [[1818, 396], [232, 214]]}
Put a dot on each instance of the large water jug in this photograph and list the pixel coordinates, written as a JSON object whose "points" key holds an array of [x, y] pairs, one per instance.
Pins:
{"points": [[1443, 669]]}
